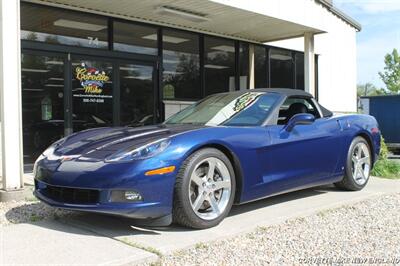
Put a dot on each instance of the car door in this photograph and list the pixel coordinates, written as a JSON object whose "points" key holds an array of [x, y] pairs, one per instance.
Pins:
{"points": [[305, 156]]}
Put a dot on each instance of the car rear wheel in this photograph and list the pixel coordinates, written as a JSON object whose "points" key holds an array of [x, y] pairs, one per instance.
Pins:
{"points": [[358, 166], [204, 189]]}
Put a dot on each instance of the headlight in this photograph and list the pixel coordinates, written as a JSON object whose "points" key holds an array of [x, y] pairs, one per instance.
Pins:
{"points": [[50, 150], [146, 151], [41, 156]]}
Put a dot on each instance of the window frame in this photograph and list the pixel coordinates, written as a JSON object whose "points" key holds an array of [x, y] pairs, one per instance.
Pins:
{"points": [[274, 116]]}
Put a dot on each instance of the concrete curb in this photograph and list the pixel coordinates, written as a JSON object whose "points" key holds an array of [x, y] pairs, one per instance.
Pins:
{"points": [[17, 195]]}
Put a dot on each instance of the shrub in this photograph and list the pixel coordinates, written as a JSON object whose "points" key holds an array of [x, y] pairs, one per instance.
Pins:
{"points": [[383, 154], [385, 167]]}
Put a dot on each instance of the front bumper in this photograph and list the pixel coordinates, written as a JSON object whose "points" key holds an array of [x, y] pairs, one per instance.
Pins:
{"points": [[138, 210], [72, 176]]}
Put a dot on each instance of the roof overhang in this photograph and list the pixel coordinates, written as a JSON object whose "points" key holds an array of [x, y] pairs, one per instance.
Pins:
{"points": [[233, 19]]}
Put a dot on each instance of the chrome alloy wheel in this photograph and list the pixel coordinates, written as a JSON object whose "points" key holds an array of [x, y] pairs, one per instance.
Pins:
{"points": [[210, 188], [361, 163]]}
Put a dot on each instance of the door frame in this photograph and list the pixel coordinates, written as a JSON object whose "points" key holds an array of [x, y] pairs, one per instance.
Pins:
{"points": [[116, 102]]}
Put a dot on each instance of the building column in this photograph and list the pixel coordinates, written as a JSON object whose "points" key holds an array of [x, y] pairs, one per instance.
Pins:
{"points": [[309, 63], [251, 67], [10, 96]]}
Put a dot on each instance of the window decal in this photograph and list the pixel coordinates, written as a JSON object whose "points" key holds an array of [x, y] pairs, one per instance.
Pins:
{"points": [[92, 79], [245, 100]]}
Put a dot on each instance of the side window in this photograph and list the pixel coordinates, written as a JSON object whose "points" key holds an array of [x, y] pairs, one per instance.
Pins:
{"points": [[296, 105]]}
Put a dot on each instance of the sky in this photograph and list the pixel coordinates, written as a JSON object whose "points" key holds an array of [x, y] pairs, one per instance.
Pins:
{"points": [[380, 20]]}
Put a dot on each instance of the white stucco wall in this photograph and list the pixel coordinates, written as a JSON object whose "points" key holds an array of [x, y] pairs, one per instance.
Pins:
{"points": [[1, 159], [337, 63]]}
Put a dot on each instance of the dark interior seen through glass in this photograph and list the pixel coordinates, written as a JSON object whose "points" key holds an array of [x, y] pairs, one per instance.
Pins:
{"points": [[281, 63], [42, 82], [181, 63], [133, 38], [58, 26], [137, 95], [299, 71], [219, 65], [243, 66], [295, 105], [260, 67]]}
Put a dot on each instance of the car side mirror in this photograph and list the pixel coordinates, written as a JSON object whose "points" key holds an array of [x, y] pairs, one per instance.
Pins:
{"points": [[299, 119]]}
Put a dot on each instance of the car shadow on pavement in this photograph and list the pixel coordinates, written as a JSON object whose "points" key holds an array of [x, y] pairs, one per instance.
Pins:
{"points": [[40, 214], [280, 198]]}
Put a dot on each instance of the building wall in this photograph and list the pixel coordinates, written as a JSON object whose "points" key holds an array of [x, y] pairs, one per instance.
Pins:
{"points": [[337, 67], [1, 152]]}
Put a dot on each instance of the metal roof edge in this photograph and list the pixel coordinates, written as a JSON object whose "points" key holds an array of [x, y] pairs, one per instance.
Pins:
{"points": [[341, 14]]}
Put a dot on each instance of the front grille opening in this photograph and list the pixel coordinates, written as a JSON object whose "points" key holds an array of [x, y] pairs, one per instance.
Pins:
{"points": [[72, 195]]}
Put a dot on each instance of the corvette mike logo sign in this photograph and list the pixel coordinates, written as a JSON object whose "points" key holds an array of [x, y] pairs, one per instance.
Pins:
{"points": [[92, 81], [245, 100]]}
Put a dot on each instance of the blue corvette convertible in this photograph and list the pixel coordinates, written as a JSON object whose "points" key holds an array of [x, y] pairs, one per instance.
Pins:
{"points": [[229, 148]]}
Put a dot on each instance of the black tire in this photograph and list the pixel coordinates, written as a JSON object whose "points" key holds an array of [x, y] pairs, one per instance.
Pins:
{"points": [[348, 182], [183, 213]]}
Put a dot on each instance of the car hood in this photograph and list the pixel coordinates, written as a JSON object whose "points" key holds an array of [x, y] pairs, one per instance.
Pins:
{"points": [[102, 142]]}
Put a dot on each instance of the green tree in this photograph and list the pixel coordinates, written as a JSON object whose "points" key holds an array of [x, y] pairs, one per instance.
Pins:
{"points": [[391, 73], [369, 89]]}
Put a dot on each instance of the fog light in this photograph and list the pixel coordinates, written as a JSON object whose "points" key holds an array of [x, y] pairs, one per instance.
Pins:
{"points": [[125, 195], [133, 196]]}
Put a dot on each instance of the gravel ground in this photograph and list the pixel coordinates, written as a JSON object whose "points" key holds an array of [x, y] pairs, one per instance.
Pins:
{"points": [[368, 230], [30, 210]]}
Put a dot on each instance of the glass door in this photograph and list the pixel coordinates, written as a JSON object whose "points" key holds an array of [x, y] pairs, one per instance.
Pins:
{"points": [[137, 94], [62, 94], [92, 93], [42, 82], [112, 92]]}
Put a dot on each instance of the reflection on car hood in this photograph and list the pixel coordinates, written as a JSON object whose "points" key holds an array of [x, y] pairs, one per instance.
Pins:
{"points": [[102, 142]]}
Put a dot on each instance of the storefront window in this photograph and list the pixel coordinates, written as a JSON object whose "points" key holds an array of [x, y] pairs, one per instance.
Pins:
{"points": [[281, 62], [137, 95], [219, 65], [135, 38], [57, 26], [260, 67], [42, 103], [243, 65], [300, 71], [91, 94], [181, 63]]}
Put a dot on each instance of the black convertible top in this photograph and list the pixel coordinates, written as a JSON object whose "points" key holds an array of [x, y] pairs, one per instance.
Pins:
{"points": [[293, 92], [287, 92]]}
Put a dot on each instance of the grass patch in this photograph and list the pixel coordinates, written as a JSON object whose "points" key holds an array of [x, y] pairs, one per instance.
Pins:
{"points": [[201, 246], [139, 246], [31, 199], [387, 169], [35, 218]]}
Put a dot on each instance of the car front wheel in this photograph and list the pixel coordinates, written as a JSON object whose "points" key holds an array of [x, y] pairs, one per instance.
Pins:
{"points": [[204, 189]]}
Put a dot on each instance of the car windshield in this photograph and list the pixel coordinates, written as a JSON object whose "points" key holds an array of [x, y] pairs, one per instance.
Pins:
{"points": [[228, 109]]}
